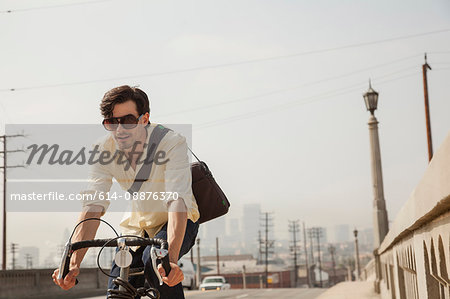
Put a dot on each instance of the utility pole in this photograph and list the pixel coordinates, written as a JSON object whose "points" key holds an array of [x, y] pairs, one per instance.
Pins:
{"points": [[217, 256], [199, 268], [426, 67], [357, 267], [260, 242], [268, 244], [306, 257], [5, 167], [317, 233], [332, 251], [311, 245], [29, 261], [14, 248], [244, 281], [294, 228]]}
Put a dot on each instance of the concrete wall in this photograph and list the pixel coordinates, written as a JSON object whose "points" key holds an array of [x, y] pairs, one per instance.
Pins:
{"points": [[38, 283], [413, 260], [284, 279]]}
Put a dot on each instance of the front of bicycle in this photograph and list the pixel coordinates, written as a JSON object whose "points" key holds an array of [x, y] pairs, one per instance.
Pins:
{"points": [[123, 258]]}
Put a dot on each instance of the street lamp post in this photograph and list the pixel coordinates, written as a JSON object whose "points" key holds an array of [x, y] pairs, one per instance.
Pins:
{"points": [[357, 267], [332, 251], [380, 219]]}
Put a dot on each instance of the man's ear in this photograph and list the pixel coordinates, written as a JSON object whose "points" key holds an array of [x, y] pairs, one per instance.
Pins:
{"points": [[146, 118]]}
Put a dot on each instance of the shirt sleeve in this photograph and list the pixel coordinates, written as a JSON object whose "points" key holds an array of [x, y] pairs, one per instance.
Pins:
{"points": [[99, 183], [178, 177]]}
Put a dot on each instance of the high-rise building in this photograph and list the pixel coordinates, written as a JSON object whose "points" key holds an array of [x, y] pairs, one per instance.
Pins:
{"points": [[341, 233], [212, 229], [233, 227], [251, 225], [365, 236], [324, 238]]}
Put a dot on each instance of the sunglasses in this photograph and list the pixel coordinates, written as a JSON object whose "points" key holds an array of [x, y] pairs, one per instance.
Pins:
{"points": [[128, 121]]}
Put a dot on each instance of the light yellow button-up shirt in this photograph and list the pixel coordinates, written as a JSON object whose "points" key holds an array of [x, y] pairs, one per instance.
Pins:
{"points": [[172, 176]]}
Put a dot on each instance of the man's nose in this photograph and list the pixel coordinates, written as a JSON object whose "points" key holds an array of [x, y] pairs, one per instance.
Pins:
{"points": [[120, 128]]}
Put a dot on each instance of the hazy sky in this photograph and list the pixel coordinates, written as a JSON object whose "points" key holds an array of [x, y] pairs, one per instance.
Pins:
{"points": [[289, 133]]}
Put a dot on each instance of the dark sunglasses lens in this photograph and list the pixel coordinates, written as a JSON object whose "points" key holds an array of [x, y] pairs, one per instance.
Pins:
{"points": [[129, 121], [110, 124]]}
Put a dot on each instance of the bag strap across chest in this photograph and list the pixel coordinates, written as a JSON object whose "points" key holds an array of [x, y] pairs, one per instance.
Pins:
{"points": [[143, 175]]}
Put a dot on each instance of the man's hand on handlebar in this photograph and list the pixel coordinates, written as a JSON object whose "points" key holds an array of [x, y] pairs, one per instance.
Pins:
{"points": [[69, 281], [175, 276]]}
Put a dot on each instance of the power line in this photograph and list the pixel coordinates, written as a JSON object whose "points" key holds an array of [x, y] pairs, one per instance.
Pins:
{"points": [[332, 251], [14, 248], [52, 6], [308, 272], [317, 232], [268, 244], [240, 100], [439, 52], [356, 45], [294, 228], [28, 261], [5, 168], [290, 104]]}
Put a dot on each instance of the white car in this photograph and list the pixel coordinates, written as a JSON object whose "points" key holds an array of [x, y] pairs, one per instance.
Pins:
{"points": [[187, 267], [214, 283]]}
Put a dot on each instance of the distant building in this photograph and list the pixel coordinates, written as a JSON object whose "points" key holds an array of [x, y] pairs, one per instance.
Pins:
{"points": [[324, 238], [341, 233], [365, 236], [250, 226], [233, 226], [208, 232]]}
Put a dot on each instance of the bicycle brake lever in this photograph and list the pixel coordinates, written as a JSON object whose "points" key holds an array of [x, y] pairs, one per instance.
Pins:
{"points": [[163, 254], [65, 262]]}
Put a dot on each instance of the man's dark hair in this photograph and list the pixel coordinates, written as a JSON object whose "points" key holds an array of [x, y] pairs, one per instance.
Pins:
{"points": [[122, 94]]}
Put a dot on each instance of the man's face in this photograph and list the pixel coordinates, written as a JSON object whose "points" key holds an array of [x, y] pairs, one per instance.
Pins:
{"points": [[126, 138]]}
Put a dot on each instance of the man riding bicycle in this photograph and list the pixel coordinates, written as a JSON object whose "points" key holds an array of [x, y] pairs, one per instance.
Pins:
{"points": [[126, 114]]}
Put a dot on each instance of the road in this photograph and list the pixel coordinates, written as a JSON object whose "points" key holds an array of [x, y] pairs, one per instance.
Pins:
{"points": [[257, 293], [251, 294]]}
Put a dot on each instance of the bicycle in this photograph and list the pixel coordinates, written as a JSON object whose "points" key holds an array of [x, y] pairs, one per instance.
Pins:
{"points": [[123, 260]]}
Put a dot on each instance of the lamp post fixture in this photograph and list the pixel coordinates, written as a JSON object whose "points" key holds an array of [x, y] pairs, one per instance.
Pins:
{"points": [[357, 267], [380, 219]]}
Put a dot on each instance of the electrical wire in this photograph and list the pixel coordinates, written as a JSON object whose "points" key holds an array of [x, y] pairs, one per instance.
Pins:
{"points": [[201, 68], [348, 89], [291, 104], [52, 6], [244, 99], [439, 52]]}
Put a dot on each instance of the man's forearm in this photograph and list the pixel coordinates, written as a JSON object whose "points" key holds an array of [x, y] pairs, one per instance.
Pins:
{"points": [[176, 228], [86, 231]]}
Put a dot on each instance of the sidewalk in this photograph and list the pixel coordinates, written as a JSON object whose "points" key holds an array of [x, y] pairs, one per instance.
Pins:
{"points": [[351, 290]]}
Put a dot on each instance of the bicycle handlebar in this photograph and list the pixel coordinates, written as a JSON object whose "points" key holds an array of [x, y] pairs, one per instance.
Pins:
{"points": [[129, 241]]}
